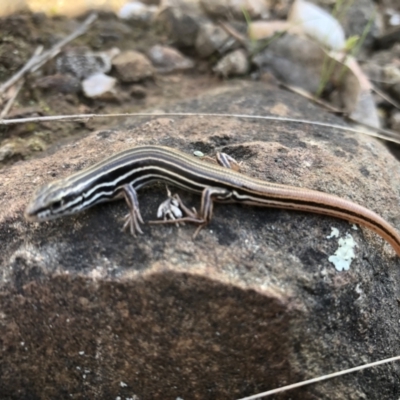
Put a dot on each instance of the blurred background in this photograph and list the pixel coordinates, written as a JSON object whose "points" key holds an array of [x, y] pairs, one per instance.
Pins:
{"points": [[53, 7]]}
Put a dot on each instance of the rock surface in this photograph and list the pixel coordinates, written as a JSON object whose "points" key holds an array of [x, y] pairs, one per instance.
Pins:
{"points": [[212, 38], [237, 8], [167, 59], [181, 20], [100, 86], [253, 303], [298, 68], [234, 63], [132, 66], [61, 83]]}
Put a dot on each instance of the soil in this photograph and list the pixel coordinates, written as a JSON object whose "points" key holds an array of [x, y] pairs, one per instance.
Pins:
{"points": [[22, 33]]}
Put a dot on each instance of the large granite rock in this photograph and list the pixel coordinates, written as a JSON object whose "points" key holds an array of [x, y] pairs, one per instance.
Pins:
{"points": [[87, 311]]}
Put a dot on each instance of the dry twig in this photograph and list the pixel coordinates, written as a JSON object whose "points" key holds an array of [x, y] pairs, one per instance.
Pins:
{"points": [[235, 34], [36, 61], [26, 68], [320, 378], [317, 100], [386, 97], [12, 98], [384, 134], [49, 54]]}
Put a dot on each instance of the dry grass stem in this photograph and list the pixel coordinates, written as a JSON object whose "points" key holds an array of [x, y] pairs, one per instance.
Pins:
{"points": [[384, 134], [12, 98], [320, 378], [37, 60], [386, 97], [25, 69], [235, 34]]}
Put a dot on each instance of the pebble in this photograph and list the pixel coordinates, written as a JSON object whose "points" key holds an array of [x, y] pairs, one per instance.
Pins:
{"points": [[234, 63], [181, 20], [99, 86], [212, 38], [132, 66], [62, 83], [317, 24], [224, 8], [167, 59], [137, 11], [80, 62], [394, 20]]}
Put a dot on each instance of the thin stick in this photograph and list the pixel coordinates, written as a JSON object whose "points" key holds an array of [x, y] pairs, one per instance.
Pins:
{"points": [[307, 95], [49, 54], [17, 76], [35, 62], [385, 134], [11, 100], [386, 97], [320, 378], [234, 33]]}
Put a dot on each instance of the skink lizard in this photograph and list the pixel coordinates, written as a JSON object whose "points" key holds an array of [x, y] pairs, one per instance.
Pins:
{"points": [[123, 174]]}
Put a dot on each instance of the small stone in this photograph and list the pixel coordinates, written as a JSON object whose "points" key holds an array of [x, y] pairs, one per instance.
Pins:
{"points": [[167, 59], [234, 63], [81, 62], [137, 11], [181, 20], [64, 83], [394, 20], [99, 86], [133, 66], [224, 8], [317, 24], [211, 39]]}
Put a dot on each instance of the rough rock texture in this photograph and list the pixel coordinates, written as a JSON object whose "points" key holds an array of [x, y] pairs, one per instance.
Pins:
{"points": [[87, 311], [227, 8], [181, 20], [212, 38], [234, 63], [298, 68], [132, 66], [167, 59]]}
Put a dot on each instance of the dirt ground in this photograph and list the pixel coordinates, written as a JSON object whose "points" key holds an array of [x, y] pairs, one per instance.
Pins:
{"points": [[23, 32], [20, 34]]}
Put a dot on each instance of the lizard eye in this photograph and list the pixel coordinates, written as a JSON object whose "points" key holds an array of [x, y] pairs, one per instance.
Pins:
{"points": [[57, 204]]}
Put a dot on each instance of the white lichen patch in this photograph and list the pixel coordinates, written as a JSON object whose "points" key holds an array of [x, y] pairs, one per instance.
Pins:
{"points": [[334, 233], [344, 255]]}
